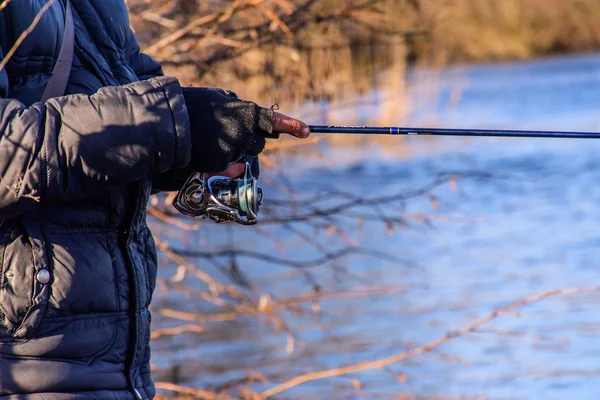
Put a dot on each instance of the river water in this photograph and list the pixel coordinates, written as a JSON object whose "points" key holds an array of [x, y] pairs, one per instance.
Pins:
{"points": [[529, 227]]}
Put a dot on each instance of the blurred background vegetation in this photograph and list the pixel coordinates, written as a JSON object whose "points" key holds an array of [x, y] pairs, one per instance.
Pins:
{"points": [[292, 50]]}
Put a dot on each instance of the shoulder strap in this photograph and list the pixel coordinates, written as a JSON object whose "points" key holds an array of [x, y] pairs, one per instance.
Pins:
{"points": [[62, 69]]}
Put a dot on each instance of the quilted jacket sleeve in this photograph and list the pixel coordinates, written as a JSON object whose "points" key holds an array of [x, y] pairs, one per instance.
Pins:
{"points": [[70, 146]]}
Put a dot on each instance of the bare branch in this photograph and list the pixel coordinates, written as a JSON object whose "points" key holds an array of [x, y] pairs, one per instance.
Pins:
{"points": [[25, 33], [4, 4], [156, 213], [158, 333], [378, 364], [217, 17], [328, 257], [198, 393]]}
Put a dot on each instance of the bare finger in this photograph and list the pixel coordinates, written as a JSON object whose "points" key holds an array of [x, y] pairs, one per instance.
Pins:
{"points": [[284, 124], [233, 171]]}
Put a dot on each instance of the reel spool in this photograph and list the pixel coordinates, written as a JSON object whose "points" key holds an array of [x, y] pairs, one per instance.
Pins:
{"points": [[221, 199]]}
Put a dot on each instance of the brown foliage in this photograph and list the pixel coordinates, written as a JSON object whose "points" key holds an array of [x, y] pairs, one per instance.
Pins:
{"points": [[276, 49], [293, 50]]}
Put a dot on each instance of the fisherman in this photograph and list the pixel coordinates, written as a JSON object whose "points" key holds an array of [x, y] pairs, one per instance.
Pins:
{"points": [[84, 142]]}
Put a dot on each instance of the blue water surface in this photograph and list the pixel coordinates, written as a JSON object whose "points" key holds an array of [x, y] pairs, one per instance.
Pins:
{"points": [[529, 227]]}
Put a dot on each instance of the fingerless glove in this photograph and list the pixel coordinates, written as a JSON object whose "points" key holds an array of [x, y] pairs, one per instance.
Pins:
{"points": [[224, 128]]}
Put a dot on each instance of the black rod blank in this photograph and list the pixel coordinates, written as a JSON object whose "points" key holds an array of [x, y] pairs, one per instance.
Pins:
{"points": [[366, 130]]}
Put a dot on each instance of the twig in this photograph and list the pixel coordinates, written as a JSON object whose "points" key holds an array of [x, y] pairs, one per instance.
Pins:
{"points": [[25, 33], [173, 37], [15, 190], [213, 286], [275, 19], [158, 333], [192, 317], [216, 17], [199, 393], [346, 251], [156, 213], [159, 19], [525, 335], [366, 292]]}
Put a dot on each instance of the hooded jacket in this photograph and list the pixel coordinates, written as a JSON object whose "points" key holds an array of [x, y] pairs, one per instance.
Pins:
{"points": [[77, 262]]}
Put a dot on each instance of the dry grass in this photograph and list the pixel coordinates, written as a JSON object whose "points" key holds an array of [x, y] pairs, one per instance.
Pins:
{"points": [[484, 30]]}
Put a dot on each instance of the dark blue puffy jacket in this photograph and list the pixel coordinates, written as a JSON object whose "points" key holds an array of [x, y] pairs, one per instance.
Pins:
{"points": [[77, 261]]}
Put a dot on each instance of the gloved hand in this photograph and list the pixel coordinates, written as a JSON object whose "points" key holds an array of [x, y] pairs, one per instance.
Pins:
{"points": [[226, 129]]}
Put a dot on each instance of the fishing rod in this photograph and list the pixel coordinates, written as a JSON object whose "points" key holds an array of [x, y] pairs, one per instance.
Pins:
{"points": [[391, 130], [222, 199]]}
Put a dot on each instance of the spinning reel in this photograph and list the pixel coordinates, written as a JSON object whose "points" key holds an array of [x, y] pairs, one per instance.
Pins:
{"points": [[221, 199]]}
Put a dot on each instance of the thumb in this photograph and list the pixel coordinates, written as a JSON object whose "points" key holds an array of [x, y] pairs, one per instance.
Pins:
{"points": [[284, 124], [233, 171]]}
